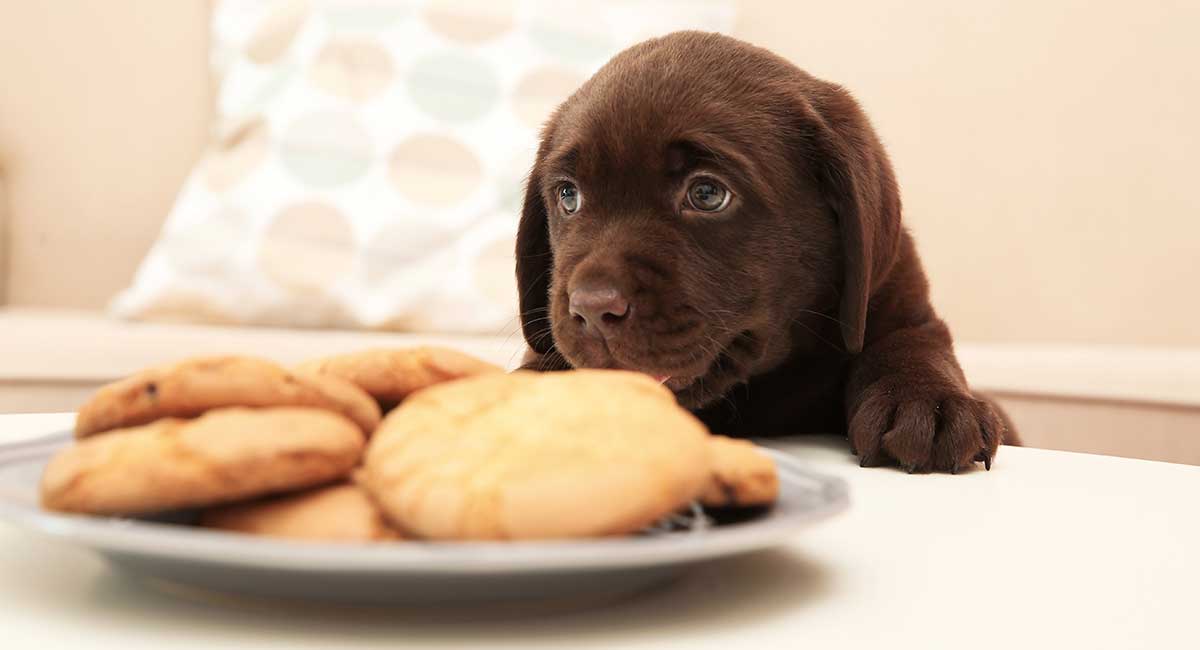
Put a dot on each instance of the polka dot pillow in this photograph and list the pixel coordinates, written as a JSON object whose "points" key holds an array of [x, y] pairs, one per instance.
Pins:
{"points": [[368, 159]]}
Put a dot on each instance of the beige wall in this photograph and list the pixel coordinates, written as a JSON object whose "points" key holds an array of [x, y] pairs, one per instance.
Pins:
{"points": [[1045, 148], [1047, 152], [103, 108]]}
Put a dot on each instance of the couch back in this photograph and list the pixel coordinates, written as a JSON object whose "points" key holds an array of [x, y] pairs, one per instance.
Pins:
{"points": [[1045, 150]]}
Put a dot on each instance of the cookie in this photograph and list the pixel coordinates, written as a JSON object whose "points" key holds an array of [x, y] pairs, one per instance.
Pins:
{"points": [[742, 475], [390, 375], [191, 387], [334, 513], [536, 456], [225, 455]]}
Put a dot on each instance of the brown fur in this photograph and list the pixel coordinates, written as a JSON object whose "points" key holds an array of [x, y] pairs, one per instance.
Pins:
{"points": [[800, 307]]}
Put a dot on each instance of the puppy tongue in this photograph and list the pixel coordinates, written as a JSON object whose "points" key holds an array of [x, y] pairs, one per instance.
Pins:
{"points": [[662, 379]]}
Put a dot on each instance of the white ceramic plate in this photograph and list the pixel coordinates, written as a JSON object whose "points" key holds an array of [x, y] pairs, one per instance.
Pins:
{"points": [[408, 572]]}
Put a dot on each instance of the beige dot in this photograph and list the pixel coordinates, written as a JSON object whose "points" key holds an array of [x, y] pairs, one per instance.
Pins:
{"points": [[395, 248], [236, 154], [309, 247], [471, 22], [540, 91], [352, 68], [495, 272], [408, 322], [277, 31], [207, 246], [311, 310], [184, 306], [434, 170]]}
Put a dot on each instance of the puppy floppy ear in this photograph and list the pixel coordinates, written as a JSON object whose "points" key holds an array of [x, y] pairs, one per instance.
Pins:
{"points": [[534, 262], [857, 182]]}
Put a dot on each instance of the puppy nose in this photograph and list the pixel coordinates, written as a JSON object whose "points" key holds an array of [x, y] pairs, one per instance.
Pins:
{"points": [[598, 309]]}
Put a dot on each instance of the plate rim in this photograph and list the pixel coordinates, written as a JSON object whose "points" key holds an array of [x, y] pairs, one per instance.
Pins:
{"points": [[166, 542]]}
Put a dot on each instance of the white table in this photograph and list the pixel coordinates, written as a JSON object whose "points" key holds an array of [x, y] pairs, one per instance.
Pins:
{"points": [[1049, 549]]}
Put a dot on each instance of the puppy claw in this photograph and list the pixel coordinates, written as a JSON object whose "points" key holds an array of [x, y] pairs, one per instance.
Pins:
{"points": [[869, 460], [987, 463], [910, 468]]}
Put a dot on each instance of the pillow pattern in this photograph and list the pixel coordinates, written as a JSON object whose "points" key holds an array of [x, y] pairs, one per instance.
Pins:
{"points": [[368, 158]]}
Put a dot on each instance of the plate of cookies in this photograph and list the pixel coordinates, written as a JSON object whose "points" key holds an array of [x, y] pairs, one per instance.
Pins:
{"points": [[419, 476]]}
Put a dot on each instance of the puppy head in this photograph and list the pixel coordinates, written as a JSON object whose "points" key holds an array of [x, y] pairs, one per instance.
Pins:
{"points": [[689, 204]]}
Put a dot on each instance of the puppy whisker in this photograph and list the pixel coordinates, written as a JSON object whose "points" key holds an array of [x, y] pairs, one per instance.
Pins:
{"points": [[822, 315], [817, 334]]}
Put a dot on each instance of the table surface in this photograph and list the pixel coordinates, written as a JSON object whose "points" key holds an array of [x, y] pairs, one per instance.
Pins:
{"points": [[1047, 549]]}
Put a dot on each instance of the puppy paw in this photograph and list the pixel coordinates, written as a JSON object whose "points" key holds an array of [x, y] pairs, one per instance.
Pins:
{"points": [[923, 426]]}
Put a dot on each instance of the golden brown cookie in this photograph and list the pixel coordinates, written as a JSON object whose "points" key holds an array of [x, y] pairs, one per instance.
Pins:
{"points": [[390, 375], [334, 513], [528, 455], [742, 475], [225, 455], [191, 387]]}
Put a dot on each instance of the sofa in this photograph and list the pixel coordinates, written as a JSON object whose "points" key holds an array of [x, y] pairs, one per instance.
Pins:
{"points": [[104, 113]]}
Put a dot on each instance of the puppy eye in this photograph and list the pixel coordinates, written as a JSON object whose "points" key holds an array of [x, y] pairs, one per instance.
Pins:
{"points": [[569, 198], [708, 196]]}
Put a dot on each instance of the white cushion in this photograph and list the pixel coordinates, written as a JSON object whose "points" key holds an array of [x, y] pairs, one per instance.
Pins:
{"points": [[367, 166]]}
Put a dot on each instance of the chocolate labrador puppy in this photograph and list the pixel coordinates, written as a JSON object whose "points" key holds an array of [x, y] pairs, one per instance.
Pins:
{"points": [[703, 211]]}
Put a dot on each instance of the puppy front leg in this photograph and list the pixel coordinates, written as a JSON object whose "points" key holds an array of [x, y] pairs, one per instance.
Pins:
{"points": [[907, 402]]}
